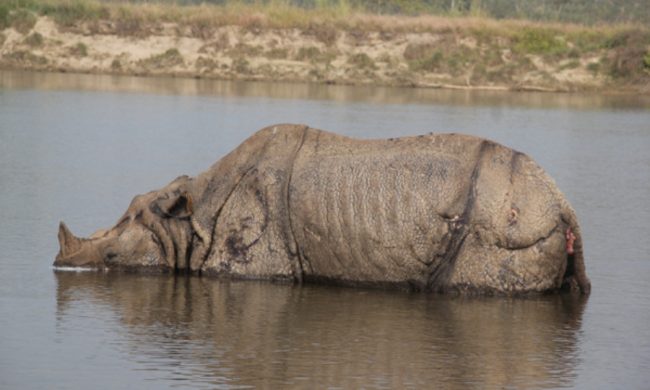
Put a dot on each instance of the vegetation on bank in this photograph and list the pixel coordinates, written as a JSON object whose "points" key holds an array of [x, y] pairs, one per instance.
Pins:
{"points": [[587, 12], [470, 45]]}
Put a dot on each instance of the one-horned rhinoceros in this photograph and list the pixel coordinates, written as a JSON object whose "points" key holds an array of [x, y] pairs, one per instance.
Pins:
{"points": [[437, 212]]}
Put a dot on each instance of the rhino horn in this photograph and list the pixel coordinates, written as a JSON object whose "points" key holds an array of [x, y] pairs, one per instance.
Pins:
{"points": [[67, 241]]}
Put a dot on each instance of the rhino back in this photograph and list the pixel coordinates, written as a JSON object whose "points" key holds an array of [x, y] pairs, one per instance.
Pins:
{"points": [[378, 211]]}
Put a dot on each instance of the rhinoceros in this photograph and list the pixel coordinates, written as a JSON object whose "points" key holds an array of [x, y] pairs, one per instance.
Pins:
{"points": [[435, 212]]}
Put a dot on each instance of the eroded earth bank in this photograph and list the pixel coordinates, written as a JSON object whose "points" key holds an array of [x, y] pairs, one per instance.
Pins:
{"points": [[422, 51]]}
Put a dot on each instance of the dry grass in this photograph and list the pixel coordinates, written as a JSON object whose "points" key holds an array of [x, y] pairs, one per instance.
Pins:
{"points": [[322, 22], [500, 50]]}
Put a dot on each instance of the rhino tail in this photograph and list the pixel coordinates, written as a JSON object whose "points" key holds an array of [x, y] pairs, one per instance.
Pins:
{"points": [[576, 272]]}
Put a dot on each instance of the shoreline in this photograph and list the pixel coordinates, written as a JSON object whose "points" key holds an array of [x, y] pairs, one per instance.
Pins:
{"points": [[182, 86], [430, 52]]}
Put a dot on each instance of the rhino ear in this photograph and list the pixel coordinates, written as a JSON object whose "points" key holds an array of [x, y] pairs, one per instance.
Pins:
{"points": [[177, 206]]}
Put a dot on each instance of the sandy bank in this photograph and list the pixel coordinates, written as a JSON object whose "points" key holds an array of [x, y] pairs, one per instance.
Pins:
{"points": [[434, 58]]}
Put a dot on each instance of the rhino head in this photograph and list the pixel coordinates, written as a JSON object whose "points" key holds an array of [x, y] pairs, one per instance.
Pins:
{"points": [[153, 234]]}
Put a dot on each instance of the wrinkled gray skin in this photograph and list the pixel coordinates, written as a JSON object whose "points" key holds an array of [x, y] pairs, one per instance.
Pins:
{"points": [[442, 212]]}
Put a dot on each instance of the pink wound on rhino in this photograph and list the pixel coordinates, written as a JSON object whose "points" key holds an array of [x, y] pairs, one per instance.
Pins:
{"points": [[570, 239]]}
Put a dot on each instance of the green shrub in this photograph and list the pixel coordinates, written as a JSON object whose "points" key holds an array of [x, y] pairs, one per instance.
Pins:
{"points": [[415, 52], [308, 53], [169, 58], [570, 65], [362, 61], [424, 57], [627, 57], [34, 39], [245, 50], [315, 55], [4, 16], [594, 67], [460, 59], [573, 53], [72, 12], [79, 50], [617, 40], [241, 65], [23, 57], [323, 32], [539, 41], [277, 54], [22, 20], [430, 63], [503, 74], [204, 62], [387, 59], [131, 21]]}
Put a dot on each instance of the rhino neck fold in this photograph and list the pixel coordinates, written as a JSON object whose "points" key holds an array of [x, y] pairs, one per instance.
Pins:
{"points": [[440, 271], [292, 245], [214, 188], [264, 163]]}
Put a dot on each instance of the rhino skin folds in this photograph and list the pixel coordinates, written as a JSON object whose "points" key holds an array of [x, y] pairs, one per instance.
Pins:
{"points": [[436, 212]]}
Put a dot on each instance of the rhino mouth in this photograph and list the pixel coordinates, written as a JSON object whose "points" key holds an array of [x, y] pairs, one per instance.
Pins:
{"points": [[77, 262], [68, 268]]}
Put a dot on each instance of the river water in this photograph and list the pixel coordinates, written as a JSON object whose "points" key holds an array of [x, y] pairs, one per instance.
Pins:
{"points": [[79, 147]]}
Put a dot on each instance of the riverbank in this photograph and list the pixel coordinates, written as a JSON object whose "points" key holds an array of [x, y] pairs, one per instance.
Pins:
{"points": [[264, 43]]}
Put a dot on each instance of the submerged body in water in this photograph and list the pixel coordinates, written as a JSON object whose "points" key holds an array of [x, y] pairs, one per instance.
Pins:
{"points": [[442, 212]]}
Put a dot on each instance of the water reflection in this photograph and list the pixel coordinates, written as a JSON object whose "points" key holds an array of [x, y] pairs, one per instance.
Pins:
{"points": [[268, 335], [303, 91]]}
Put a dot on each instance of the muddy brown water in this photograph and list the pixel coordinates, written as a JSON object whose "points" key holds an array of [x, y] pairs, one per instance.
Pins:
{"points": [[79, 147]]}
